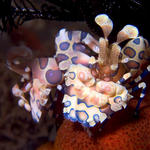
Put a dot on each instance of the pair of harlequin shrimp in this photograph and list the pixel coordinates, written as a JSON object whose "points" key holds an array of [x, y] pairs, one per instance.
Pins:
{"points": [[95, 85]]}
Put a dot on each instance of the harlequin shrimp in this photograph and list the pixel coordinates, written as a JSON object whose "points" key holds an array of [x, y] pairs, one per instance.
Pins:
{"points": [[94, 85]]}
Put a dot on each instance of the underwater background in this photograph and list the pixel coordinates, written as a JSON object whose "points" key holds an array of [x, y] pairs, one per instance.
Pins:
{"points": [[17, 129]]}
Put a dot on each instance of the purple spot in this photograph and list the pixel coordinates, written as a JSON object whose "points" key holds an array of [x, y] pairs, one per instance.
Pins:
{"points": [[70, 35], [96, 117], [81, 120], [67, 104], [74, 59], [43, 62], [74, 75], [132, 64], [117, 97], [141, 55], [64, 46], [130, 52], [136, 41], [53, 76], [78, 47], [61, 57], [83, 35]]}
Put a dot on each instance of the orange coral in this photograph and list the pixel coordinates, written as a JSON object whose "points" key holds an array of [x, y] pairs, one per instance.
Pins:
{"points": [[123, 131]]}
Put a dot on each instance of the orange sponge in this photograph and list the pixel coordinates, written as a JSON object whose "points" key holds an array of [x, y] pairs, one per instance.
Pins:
{"points": [[123, 131]]}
